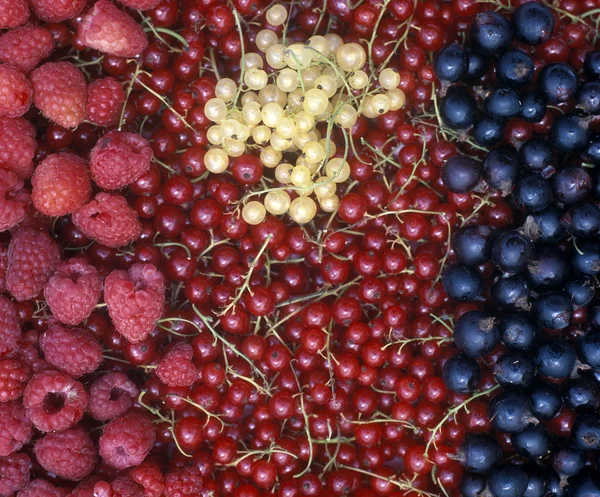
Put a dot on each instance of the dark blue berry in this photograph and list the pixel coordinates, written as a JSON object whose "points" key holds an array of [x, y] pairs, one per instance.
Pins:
{"points": [[582, 220], [491, 33], [545, 400], [476, 333], [461, 374], [511, 252], [582, 394], [587, 97], [451, 63], [479, 453], [533, 193], [555, 358], [533, 23], [585, 484], [502, 103], [471, 485], [591, 64], [536, 486], [557, 82], [472, 245], [588, 349], [514, 370], [487, 130], [592, 150], [510, 292], [458, 108], [571, 185], [508, 481], [514, 68], [532, 442], [478, 66], [548, 268], [537, 155], [586, 431], [586, 257], [553, 310], [545, 226], [518, 331], [568, 461], [568, 133], [580, 289], [533, 107], [461, 174], [463, 283], [510, 411], [500, 169]]}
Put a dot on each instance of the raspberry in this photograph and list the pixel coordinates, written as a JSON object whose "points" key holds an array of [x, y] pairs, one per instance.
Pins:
{"points": [[30, 358], [17, 145], [73, 291], [109, 220], [105, 102], [135, 300], [148, 476], [140, 4], [60, 92], [15, 92], [14, 200], [15, 428], [32, 258], [54, 401], [41, 488], [127, 440], [13, 378], [3, 265], [57, 10], [111, 396], [13, 13], [60, 184], [69, 454], [108, 29], [120, 487], [10, 331], [14, 473], [183, 482], [176, 368], [119, 158], [76, 352], [85, 488], [25, 47]]}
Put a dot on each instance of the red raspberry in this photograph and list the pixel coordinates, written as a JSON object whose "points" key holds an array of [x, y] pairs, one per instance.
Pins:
{"points": [[140, 4], [14, 473], [109, 220], [60, 92], [3, 265], [60, 184], [111, 396], [105, 102], [176, 368], [10, 331], [148, 475], [85, 488], [120, 487], [24, 48], [14, 200], [30, 357], [32, 258], [15, 92], [108, 29], [57, 10], [73, 291], [41, 488], [183, 482], [69, 454], [15, 428], [13, 378], [17, 145], [76, 352], [13, 13], [119, 158], [135, 300], [54, 401], [127, 440]]}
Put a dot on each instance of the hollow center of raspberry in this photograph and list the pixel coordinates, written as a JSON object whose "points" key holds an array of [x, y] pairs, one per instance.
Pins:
{"points": [[115, 394], [54, 402]]}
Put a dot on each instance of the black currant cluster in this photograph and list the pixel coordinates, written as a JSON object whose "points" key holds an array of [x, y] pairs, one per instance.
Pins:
{"points": [[545, 268]]}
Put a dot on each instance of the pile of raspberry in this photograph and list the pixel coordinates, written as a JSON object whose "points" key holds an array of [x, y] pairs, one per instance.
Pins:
{"points": [[156, 342]]}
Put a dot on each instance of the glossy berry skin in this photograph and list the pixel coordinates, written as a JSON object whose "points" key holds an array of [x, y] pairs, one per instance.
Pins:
{"points": [[545, 400], [491, 33], [533, 107], [533, 193], [461, 174], [533, 24], [511, 252], [502, 103], [463, 283], [586, 432], [487, 131], [461, 374], [510, 411], [537, 155], [472, 245], [555, 359], [514, 68], [587, 97], [553, 310], [568, 133], [532, 442], [476, 333], [518, 331], [451, 63], [514, 370], [500, 169], [478, 65], [557, 82], [586, 260], [479, 453], [458, 108], [588, 349], [508, 481]]}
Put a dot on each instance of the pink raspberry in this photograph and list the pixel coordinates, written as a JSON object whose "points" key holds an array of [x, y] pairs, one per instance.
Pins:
{"points": [[25, 47], [3, 265], [42, 488], [73, 291], [13, 13], [176, 368], [127, 440], [60, 92], [32, 258], [13, 378], [54, 401], [60, 184], [140, 4], [135, 300], [111, 396], [30, 357], [119, 158], [17, 146], [108, 29], [69, 454], [76, 352], [15, 92], [120, 487], [10, 331], [148, 476], [105, 102], [14, 200], [85, 488], [109, 220], [183, 482], [15, 472], [15, 428], [57, 10]]}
